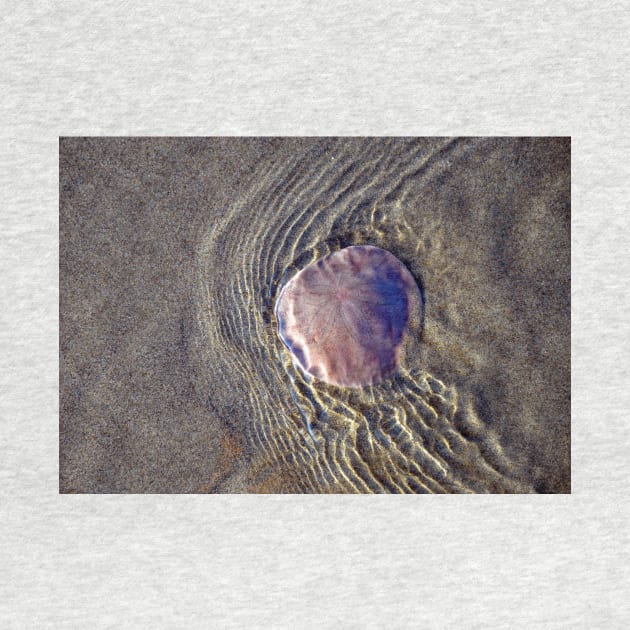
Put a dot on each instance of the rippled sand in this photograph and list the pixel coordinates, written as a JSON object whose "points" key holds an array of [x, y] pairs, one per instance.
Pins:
{"points": [[482, 402]]}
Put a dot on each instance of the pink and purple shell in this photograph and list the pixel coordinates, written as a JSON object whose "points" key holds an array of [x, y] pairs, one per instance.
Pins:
{"points": [[344, 317]]}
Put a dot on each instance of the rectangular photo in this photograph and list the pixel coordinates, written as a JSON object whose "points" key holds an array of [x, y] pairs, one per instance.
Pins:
{"points": [[315, 315]]}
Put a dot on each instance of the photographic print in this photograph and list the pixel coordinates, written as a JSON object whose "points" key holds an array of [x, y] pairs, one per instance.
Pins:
{"points": [[315, 315]]}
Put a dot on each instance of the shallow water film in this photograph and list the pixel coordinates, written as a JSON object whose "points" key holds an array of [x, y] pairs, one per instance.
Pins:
{"points": [[190, 388]]}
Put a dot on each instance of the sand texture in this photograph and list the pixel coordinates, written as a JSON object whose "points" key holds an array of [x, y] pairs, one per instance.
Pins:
{"points": [[173, 252]]}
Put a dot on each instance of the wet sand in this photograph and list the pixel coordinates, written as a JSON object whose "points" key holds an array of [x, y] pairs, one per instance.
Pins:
{"points": [[173, 379]]}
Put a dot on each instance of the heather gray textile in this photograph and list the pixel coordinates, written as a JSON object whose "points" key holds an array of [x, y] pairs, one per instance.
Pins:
{"points": [[300, 68]]}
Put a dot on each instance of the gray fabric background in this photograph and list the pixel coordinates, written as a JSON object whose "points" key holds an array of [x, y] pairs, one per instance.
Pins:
{"points": [[296, 68]]}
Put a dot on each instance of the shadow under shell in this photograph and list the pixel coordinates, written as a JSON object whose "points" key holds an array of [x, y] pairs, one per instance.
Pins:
{"points": [[345, 316]]}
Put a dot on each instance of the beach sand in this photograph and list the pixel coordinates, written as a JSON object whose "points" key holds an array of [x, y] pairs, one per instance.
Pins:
{"points": [[172, 375]]}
